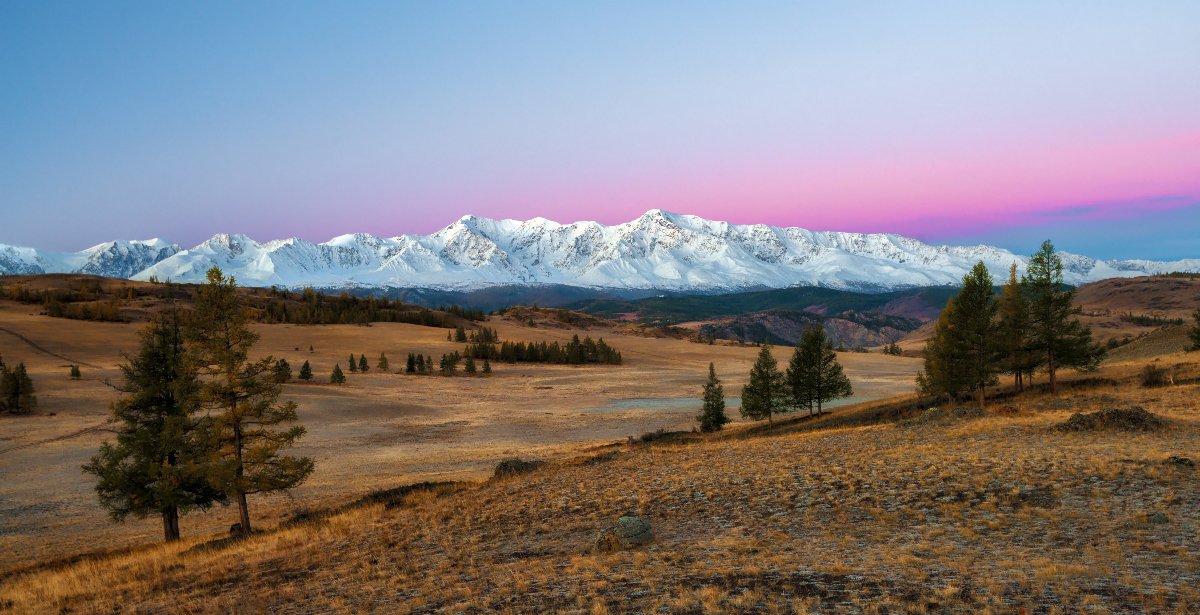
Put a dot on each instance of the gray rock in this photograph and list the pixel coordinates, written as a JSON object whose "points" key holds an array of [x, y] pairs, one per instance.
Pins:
{"points": [[628, 532]]}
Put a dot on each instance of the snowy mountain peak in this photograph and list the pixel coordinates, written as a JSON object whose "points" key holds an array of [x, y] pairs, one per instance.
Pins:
{"points": [[657, 250]]}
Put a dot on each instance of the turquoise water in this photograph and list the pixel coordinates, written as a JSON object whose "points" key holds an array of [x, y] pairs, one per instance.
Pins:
{"points": [[678, 404]]}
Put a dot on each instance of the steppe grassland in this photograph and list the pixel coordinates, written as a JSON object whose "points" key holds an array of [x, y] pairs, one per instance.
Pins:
{"points": [[378, 431], [985, 515]]}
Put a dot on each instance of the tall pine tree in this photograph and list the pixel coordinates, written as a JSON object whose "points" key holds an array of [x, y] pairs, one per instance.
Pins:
{"points": [[158, 463], [814, 376], [766, 393], [1020, 361], [976, 334], [249, 426], [1056, 335], [965, 351], [306, 372], [712, 413]]}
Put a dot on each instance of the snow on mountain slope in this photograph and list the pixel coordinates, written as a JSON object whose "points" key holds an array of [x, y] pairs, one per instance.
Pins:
{"points": [[658, 250], [114, 259]]}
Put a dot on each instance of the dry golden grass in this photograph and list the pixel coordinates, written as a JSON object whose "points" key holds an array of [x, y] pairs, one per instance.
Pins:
{"points": [[380, 430], [983, 515]]}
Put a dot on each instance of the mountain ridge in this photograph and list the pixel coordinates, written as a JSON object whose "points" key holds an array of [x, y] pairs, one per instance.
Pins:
{"points": [[656, 251]]}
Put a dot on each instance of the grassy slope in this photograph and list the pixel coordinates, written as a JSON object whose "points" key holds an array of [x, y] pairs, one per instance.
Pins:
{"points": [[983, 515]]}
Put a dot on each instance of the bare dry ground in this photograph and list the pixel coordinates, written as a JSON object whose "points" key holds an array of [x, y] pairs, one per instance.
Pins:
{"points": [[380, 430], [995, 513]]}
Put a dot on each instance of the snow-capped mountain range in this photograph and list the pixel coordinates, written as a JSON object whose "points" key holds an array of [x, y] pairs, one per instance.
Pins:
{"points": [[659, 250]]}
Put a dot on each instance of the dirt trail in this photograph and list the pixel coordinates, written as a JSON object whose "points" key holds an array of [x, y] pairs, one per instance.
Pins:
{"points": [[100, 427], [39, 348]]}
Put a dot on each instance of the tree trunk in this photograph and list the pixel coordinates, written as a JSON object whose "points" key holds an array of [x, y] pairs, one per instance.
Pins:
{"points": [[239, 473], [170, 519], [1053, 380]]}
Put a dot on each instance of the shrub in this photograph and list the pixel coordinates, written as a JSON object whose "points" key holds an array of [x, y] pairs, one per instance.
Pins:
{"points": [[1155, 376]]}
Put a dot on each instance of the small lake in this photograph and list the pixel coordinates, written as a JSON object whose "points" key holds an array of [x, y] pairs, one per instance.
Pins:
{"points": [[680, 404]]}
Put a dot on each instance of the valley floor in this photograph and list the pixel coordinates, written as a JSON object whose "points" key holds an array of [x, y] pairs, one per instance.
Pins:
{"points": [[380, 430], [986, 514]]}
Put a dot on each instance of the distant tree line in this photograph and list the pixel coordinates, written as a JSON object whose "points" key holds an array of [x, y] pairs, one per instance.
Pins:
{"points": [[574, 352], [1033, 326], [309, 307], [1143, 320]]}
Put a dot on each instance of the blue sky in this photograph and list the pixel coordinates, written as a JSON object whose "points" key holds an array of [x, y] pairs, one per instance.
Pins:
{"points": [[951, 122]]}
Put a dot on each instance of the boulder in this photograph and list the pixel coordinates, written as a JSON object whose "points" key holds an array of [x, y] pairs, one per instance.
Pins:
{"points": [[628, 532]]}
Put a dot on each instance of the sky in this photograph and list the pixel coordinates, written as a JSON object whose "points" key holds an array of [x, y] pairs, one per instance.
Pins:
{"points": [[953, 122]]}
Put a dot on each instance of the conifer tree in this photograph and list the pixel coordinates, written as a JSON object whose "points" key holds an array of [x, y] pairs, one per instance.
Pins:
{"points": [[75, 374], [158, 463], [976, 334], [16, 390], [487, 367], [1056, 335], [249, 426], [382, 364], [281, 372], [469, 365], [448, 336], [460, 335], [353, 363], [362, 364], [765, 395], [814, 375], [420, 364], [966, 350], [940, 375], [712, 413], [1194, 332], [337, 377], [410, 365], [306, 372], [1014, 331]]}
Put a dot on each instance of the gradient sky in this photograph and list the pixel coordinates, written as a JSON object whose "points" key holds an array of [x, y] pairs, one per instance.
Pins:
{"points": [[949, 121]]}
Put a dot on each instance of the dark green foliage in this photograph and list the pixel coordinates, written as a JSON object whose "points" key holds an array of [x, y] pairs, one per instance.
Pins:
{"points": [[449, 363], [487, 367], [893, 349], [1194, 332], [422, 366], [353, 363], [712, 413], [337, 377], [382, 363], [469, 365], [306, 372], [410, 366], [1056, 335], [281, 372], [310, 307], [75, 373], [966, 351], [248, 426], [1143, 320], [766, 393], [460, 335], [159, 463], [16, 390], [1019, 358], [575, 352], [362, 364], [814, 376]]}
